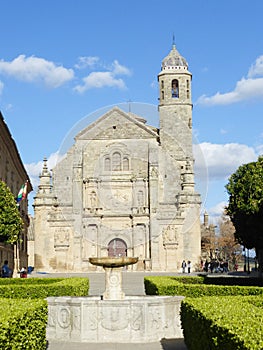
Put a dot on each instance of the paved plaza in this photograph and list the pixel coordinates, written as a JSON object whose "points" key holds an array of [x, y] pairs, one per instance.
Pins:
{"points": [[132, 285]]}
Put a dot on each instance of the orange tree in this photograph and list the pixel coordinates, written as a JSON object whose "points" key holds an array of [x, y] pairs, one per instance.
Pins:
{"points": [[11, 222], [245, 208]]}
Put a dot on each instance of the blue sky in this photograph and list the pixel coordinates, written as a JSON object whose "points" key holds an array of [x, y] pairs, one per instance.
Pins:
{"points": [[62, 60]]}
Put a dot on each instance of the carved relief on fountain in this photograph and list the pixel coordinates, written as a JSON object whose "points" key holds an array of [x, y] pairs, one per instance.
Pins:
{"points": [[115, 317]]}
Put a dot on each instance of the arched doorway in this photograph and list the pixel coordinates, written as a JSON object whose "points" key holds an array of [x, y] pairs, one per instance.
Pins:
{"points": [[117, 247]]}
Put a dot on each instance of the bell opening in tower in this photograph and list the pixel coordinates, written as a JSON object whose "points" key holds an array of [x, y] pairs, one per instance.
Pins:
{"points": [[175, 88]]}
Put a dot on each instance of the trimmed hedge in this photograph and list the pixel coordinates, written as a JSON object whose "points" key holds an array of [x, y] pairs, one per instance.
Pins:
{"points": [[23, 321], [43, 287], [23, 324], [223, 323], [167, 285], [234, 281]]}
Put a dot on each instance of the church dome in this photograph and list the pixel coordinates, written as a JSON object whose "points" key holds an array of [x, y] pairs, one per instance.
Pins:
{"points": [[174, 60]]}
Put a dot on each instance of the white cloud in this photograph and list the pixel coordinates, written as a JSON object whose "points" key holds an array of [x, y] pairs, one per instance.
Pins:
{"points": [[34, 169], [1, 87], [256, 68], [246, 89], [35, 69], [218, 209], [99, 80], [118, 69], [87, 61], [259, 150], [107, 78], [216, 212], [222, 160]]}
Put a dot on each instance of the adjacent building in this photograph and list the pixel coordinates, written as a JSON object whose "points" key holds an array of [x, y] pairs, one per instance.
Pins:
{"points": [[13, 173]]}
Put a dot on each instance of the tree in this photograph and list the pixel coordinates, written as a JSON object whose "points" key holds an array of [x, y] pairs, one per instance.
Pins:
{"points": [[11, 222], [228, 246], [245, 208]]}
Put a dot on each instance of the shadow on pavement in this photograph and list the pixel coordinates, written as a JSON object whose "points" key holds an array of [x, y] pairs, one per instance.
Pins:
{"points": [[164, 344], [173, 344]]}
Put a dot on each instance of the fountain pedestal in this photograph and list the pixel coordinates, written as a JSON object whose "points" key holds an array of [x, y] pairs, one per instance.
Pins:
{"points": [[113, 275], [116, 318], [113, 284]]}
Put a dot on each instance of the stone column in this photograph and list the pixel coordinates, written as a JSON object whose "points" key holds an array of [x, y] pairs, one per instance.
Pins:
{"points": [[113, 283]]}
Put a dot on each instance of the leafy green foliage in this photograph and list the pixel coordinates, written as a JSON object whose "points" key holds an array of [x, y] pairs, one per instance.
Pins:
{"points": [[167, 285], [23, 324], [245, 208], [23, 310], [11, 222], [223, 323], [43, 287]]}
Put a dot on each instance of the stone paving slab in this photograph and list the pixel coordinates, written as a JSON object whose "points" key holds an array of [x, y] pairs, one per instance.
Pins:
{"points": [[165, 344]]}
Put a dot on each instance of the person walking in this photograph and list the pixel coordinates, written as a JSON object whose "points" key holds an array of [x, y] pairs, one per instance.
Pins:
{"points": [[183, 266], [189, 266]]}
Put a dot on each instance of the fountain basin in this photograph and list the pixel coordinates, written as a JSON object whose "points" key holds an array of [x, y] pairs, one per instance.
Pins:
{"points": [[113, 274], [111, 262], [134, 319]]}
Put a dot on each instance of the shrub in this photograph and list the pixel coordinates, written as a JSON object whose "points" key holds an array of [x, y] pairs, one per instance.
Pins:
{"points": [[166, 285], [23, 324], [43, 287], [233, 281], [223, 323]]}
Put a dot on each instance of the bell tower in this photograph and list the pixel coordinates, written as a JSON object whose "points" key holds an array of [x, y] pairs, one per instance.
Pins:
{"points": [[179, 202], [175, 105]]}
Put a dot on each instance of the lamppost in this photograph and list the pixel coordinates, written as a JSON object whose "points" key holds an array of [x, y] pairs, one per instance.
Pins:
{"points": [[248, 266], [245, 262]]}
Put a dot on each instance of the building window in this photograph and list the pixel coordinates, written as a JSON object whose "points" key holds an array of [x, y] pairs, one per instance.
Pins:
{"points": [[125, 164], [116, 161], [162, 84], [175, 88], [107, 164]]}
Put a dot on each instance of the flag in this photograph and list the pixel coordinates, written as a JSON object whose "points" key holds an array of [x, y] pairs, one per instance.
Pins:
{"points": [[22, 193]]}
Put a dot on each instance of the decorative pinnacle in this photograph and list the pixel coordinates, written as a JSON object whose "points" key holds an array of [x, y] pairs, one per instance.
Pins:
{"points": [[173, 40]]}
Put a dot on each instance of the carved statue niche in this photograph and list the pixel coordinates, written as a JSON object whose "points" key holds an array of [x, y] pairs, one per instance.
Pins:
{"points": [[89, 240], [61, 237], [170, 235], [93, 200], [140, 201], [154, 172], [139, 239]]}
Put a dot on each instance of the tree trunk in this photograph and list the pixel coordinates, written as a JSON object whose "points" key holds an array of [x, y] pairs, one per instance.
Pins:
{"points": [[260, 262]]}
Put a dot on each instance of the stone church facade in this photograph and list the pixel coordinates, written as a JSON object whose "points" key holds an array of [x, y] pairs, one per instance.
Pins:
{"points": [[125, 188]]}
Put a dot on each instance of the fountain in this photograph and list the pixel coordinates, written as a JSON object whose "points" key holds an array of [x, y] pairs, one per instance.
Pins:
{"points": [[114, 317]]}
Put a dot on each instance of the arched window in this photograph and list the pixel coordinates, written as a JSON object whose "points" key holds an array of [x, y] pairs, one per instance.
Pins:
{"points": [[107, 164], [175, 88], [116, 161], [125, 164]]}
